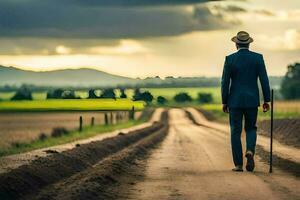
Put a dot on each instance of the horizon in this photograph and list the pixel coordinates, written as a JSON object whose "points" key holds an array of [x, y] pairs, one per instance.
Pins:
{"points": [[91, 68], [189, 38]]}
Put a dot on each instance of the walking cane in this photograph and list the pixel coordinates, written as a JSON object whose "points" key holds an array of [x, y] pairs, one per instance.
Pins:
{"points": [[271, 136]]}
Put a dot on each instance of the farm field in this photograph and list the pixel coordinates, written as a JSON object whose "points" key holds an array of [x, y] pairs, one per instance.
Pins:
{"points": [[282, 110], [168, 93], [124, 167], [24, 128], [71, 105]]}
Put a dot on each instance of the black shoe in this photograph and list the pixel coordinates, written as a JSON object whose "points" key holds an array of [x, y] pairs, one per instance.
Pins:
{"points": [[238, 169], [250, 162]]}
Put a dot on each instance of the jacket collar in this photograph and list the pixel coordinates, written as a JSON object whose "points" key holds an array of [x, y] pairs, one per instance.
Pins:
{"points": [[243, 49]]}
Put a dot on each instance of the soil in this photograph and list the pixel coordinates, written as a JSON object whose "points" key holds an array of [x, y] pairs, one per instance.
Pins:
{"points": [[29, 179], [174, 160], [286, 131], [194, 162], [26, 126]]}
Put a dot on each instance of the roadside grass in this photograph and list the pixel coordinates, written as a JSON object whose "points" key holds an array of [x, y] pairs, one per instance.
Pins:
{"points": [[70, 137], [71, 105]]}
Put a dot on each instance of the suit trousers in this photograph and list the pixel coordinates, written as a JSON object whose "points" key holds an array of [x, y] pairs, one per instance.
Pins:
{"points": [[236, 116]]}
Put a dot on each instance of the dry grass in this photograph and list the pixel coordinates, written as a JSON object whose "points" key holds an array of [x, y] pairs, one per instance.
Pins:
{"points": [[287, 106]]}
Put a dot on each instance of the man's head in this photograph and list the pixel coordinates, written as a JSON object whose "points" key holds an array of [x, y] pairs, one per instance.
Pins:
{"points": [[239, 45], [242, 40]]}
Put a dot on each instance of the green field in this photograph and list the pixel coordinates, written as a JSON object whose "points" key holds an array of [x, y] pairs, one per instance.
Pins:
{"points": [[39, 95], [74, 104], [282, 110], [168, 93]]}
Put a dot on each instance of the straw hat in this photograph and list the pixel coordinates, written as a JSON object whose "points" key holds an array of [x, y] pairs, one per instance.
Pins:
{"points": [[242, 37]]}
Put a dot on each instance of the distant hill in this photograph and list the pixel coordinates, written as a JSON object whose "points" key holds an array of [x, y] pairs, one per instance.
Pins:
{"points": [[67, 77]]}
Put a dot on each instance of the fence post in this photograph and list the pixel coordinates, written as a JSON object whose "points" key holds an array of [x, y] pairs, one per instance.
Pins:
{"points": [[111, 118], [105, 119], [93, 121], [80, 123], [131, 113], [117, 117]]}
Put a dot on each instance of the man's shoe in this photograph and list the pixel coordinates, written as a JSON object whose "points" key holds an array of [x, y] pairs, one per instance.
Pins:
{"points": [[238, 169], [250, 162]]}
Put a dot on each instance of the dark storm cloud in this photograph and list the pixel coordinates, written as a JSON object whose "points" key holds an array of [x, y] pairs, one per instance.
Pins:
{"points": [[102, 18], [133, 2]]}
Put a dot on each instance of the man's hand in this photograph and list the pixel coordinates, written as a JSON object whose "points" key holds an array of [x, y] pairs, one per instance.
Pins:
{"points": [[266, 107], [225, 108]]}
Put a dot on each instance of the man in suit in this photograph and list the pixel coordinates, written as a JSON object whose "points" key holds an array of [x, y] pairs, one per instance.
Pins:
{"points": [[240, 97]]}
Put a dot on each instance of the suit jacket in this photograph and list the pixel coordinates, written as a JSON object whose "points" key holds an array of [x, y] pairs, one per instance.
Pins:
{"points": [[239, 80]]}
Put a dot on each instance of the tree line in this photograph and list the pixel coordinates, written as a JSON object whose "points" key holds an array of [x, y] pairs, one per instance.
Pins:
{"points": [[289, 89], [109, 93]]}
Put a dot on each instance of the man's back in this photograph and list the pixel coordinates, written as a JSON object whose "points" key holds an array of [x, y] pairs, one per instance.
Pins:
{"points": [[239, 80]]}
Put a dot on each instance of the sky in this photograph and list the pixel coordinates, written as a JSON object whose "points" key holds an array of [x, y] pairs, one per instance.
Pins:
{"points": [[141, 38]]}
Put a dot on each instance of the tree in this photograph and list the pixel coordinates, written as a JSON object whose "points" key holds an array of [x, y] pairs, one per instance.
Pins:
{"points": [[56, 94], [69, 94], [142, 96], [161, 100], [147, 97], [108, 93], [92, 94], [182, 97], [123, 94], [137, 95], [22, 94], [205, 97], [290, 86]]}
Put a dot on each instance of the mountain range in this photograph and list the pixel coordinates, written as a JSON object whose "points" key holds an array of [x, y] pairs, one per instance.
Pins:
{"points": [[66, 77], [87, 77]]}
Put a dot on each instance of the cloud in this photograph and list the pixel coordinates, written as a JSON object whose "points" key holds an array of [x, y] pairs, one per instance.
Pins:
{"points": [[63, 50], [126, 47], [290, 41], [134, 2], [103, 18]]}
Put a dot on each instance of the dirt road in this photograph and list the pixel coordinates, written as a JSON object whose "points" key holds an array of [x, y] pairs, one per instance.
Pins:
{"points": [[195, 162], [173, 159]]}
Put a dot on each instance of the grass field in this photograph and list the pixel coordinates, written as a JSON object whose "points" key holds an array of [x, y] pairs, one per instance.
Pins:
{"points": [[282, 110], [67, 105], [168, 93], [39, 95]]}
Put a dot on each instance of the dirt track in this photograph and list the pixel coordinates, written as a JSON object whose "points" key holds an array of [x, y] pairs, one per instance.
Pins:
{"points": [[192, 162], [195, 163]]}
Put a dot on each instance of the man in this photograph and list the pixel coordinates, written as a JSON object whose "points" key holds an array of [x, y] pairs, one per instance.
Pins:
{"points": [[240, 97]]}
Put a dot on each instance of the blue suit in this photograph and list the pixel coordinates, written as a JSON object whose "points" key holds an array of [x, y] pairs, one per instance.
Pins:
{"points": [[240, 92]]}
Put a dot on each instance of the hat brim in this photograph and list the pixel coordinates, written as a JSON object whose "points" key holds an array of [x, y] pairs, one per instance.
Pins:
{"points": [[236, 40]]}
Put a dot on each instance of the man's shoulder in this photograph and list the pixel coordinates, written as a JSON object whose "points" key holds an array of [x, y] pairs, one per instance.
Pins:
{"points": [[251, 53], [231, 55], [256, 54]]}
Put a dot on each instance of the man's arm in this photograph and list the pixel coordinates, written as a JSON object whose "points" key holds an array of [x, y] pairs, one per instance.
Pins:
{"points": [[225, 85], [264, 81]]}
